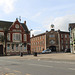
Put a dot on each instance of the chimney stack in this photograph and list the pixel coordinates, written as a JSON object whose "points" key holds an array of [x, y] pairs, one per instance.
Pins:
{"points": [[58, 30], [32, 35], [16, 19], [46, 31], [25, 22]]}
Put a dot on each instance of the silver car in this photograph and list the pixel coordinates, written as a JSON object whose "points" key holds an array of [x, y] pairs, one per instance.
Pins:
{"points": [[46, 51]]}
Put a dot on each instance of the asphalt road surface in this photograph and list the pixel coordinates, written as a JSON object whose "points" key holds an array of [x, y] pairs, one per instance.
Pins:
{"points": [[20, 66]]}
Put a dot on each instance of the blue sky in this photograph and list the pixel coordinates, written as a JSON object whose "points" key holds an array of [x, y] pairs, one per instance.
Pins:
{"points": [[39, 14]]}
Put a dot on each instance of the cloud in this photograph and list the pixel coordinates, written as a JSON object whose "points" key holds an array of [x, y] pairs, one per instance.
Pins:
{"points": [[61, 22], [39, 14], [7, 5], [36, 15], [36, 32]]}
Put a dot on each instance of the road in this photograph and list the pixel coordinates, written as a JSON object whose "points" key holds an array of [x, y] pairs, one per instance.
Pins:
{"points": [[9, 66]]}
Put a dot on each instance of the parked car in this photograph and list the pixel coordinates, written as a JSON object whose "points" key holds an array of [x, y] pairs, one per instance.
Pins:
{"points": [[46, 51], [67, 50]]}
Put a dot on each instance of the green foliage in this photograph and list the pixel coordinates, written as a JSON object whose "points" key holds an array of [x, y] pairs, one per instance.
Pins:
{"points": [[71, 43], [74, 39]]}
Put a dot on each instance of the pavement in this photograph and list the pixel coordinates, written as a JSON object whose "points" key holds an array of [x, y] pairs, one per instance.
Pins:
{"points": [[51, 56], [11, 65]]}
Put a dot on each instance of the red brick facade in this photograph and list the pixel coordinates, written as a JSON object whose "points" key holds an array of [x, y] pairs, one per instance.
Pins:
{"points": [[54, 40], [38, 43], [18, 38], [64, 40]]}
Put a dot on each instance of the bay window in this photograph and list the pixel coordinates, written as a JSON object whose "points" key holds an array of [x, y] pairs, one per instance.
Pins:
{"points": [[17, 37]]}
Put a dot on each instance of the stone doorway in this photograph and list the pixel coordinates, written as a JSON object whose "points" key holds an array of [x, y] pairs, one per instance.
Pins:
{"points": [[1, 50], [53, 48]]}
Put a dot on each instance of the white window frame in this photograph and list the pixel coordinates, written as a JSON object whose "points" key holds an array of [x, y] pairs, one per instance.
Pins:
{"points": [[62, 41], [8, 36], [62, 47], [17, 37], [25, 47], [65, 36], [61, 35], [1, 34], [40, 37], [17, 47], [25, 37], [8, 47], [66, 46], [52, 35], [40, 48]]}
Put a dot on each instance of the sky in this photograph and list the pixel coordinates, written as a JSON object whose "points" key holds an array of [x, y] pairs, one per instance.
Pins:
{"points": [[39, 14]]}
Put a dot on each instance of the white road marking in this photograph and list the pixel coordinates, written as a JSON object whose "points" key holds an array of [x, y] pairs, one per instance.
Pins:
{"points": [[64, 62], [71, 69], [10, 61], [38, 59], [40, 65]]}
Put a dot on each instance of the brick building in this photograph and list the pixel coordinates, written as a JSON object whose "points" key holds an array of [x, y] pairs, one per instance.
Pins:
{"points": [[54, 40], [14, 38], [72, 37], [38, 43]]}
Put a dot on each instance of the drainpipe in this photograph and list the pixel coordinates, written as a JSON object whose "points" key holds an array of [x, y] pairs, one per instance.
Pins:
{"points": [[45, 41], [59, 40]]}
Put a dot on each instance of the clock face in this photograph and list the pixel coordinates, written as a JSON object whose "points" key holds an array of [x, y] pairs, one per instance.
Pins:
{"points": [[16, 26]]}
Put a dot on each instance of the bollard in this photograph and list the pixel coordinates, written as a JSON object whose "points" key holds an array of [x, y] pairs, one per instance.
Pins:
{"points": [[35, 53]]}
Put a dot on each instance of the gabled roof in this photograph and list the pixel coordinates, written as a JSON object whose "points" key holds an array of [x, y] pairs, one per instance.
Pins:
{"points": [[7, 24]]}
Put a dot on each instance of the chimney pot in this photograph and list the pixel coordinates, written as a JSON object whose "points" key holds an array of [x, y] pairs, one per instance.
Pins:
{"points": [[46, 31], [58, 30], [16, 19], [32, 35], [24, 22]]}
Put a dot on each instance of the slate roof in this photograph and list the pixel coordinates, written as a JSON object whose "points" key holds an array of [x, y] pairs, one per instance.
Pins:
{"points": [[7, 24], [25, 27]]}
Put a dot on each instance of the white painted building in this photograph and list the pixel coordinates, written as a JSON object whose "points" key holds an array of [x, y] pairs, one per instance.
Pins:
{"points": [[72, 37]]}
